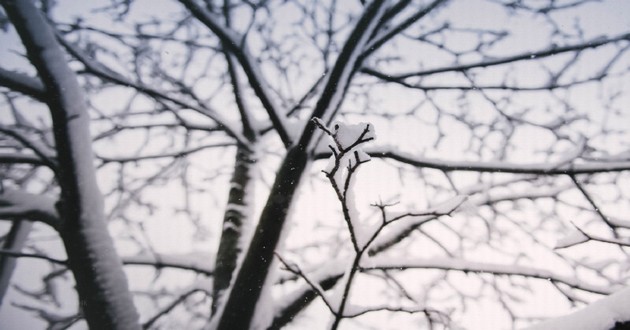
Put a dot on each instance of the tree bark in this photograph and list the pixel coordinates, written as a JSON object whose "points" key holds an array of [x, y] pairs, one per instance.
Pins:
{"points": [[240, 305], [14, 241], [101, 283], [234, 223]]}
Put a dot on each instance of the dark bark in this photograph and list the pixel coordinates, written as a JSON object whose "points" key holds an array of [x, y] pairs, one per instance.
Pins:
{"points": [[250, 280], [290, 311], [345, 67], [14, 241], [621, 326], [233, 225], [101, 283], [22, 83], [236, 47], [240, 305]]}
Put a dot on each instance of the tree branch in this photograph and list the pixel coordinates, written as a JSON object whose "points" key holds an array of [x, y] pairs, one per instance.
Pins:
{"points": [[251, 278], [454, 264], [600, 166], [99, 70], [17, 204], [22, 83], [101, 282], [234, 43], [553, 50]]}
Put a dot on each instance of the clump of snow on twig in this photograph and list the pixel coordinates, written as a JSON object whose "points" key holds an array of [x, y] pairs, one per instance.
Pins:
{"points": [[346, 135], [347, 141], [346, 145]]}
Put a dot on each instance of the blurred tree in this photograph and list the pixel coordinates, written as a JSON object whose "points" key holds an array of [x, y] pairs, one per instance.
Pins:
{"points": [[496, 196]]}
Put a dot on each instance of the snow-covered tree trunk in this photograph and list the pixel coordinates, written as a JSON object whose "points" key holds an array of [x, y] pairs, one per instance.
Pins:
{"points": [[250, 281], [497, 182], [234, 225], [101, 283]]}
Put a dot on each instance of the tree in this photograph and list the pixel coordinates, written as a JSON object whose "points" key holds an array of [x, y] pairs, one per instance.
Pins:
{"points": [[499, 162]]}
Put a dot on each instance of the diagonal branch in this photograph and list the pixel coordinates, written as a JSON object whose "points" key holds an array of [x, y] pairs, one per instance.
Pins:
{"points": [[47, 156], [591, 201], [17, 204], [600, 166], [551, 51], [170, 307], [345, 66], [22, 83], [98, 69], [234, 43], [455, 264], [382, 38], [14, 241], [251, 279], [97, 269]]}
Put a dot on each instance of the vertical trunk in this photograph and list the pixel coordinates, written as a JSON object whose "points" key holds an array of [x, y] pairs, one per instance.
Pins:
{"points": [[233, 225], [621, 325], [13, 242], [101, 283], [242, 301]]}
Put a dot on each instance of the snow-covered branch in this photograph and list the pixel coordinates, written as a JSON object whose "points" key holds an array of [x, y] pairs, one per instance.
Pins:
{"points": [[236, 45], [98, 69], [385, 35], [46, 155], [609, 313], [101, 282], [574, 168], [17, 204], [22, 83], [173, 154], [451, 264], [552, 51], [346, 64]]}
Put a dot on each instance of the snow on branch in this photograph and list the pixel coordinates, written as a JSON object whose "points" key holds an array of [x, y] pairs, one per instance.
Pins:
{"points": [[22, 83], [347, 156], [503, 167], [23, 205], [608, 313], [55, 320], [551, 51], [234, 43], [383, 36], [196, 262], [99, 69], [455, 264], [46, 155], [343, 70]]}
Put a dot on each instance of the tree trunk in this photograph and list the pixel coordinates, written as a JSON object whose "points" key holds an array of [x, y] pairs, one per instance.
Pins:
{"points": [[250, 280], [101, 283], [241, 304], [233, 225]]}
